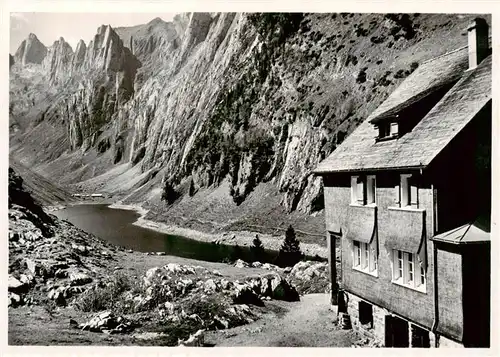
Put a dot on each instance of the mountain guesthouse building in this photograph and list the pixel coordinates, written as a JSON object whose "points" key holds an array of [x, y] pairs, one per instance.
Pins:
{"points": [[407, 200]]}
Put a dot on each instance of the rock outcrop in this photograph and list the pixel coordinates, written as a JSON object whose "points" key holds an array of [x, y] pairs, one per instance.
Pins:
{"points": [[31, 50], [57, 63], [79, 56], [21, 199]]}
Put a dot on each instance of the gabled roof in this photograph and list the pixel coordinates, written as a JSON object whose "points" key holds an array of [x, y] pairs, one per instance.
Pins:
{"points": [[417, 149], [429, 77]]}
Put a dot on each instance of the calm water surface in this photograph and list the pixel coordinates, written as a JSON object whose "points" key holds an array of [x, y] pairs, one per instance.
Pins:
{"points": [[116, 226]]}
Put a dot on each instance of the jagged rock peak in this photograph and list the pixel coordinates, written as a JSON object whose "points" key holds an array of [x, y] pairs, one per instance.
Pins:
{"points": [[58, 60], [31, 50], [197, 29], [79, 55], [181, 22], [156, 20], [107, 51]]}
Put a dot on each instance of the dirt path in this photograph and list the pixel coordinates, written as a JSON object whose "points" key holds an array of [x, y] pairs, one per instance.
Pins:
{"points": [[308, 322]]}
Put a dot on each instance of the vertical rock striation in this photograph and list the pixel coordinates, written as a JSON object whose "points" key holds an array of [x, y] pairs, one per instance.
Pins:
{"points": [[58, 61]]}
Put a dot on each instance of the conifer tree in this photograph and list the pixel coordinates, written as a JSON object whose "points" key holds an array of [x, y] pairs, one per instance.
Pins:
{"points": [[191, 191], [290, 253], [257, 249]]}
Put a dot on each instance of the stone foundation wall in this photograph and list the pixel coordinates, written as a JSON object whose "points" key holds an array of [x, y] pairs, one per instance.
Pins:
{"points": [[376, 331]]}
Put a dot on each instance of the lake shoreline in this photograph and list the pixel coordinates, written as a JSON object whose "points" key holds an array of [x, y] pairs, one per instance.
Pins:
{"points": [[241, 238]]}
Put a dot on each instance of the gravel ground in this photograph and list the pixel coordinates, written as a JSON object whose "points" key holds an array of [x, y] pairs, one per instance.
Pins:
{"points": [[305, 323]]}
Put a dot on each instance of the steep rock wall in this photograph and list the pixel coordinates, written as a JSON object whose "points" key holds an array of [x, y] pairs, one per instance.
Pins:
{"points": [[240, 99]]}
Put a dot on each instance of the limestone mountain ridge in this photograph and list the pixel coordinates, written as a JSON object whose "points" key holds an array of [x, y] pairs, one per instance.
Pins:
{"points": [[213, 117]]}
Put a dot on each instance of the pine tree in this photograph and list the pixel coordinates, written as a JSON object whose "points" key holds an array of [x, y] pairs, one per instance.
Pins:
{"points": [[191, 188], [257, 249], [290, 253]]}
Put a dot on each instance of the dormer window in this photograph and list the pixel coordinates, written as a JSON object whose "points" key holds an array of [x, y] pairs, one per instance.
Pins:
{"points": [[388, 130], [399, 121]]}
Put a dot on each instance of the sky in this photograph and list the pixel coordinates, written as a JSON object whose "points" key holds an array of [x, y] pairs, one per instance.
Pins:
{"points": [[48, 27]]}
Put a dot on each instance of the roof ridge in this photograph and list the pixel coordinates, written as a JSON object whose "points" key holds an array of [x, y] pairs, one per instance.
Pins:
{"points": [[490, 37], [445, 54]]}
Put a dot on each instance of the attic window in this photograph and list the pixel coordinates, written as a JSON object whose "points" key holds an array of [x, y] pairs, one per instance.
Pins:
{"points": [[387, 131]]}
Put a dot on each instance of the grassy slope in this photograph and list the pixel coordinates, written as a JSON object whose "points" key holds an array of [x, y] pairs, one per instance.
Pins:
{"points": [[44, 191]]}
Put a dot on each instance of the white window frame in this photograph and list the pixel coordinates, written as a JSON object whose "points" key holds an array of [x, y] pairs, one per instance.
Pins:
{"points": [[408, 271], [394, 129], [406, 192], [363, 190], [364, 257], [388, 130], [371, 189]]}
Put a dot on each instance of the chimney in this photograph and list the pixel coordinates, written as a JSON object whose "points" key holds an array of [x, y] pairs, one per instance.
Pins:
{"points": [[478, 41]]}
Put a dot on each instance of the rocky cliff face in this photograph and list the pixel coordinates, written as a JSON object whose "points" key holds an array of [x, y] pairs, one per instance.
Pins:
{"points": [[221, 100], [81, 91], [31, 50], [57, 63]]}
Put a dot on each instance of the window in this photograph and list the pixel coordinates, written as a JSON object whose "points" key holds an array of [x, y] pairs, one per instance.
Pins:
{"points": [[363, 190], [388, 130], [383, 130], [407, 191], [394, 129], [408, 270], [365, 257], [365, 314]]}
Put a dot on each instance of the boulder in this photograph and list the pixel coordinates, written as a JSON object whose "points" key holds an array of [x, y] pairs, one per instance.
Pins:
{"points": [[61, 274], [169, 307], [33, 235], [217, 273], [27, 279], [282, 290], [241, 264], [80, 249], [13, 236], [150, 274], [77, 278], [31, 265], [107, 322], [226, 284], [210, 286], [58, 296], [268, 266], [16, 286], [244, 294], [256, 264], [14, 299], [196, 340]]}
